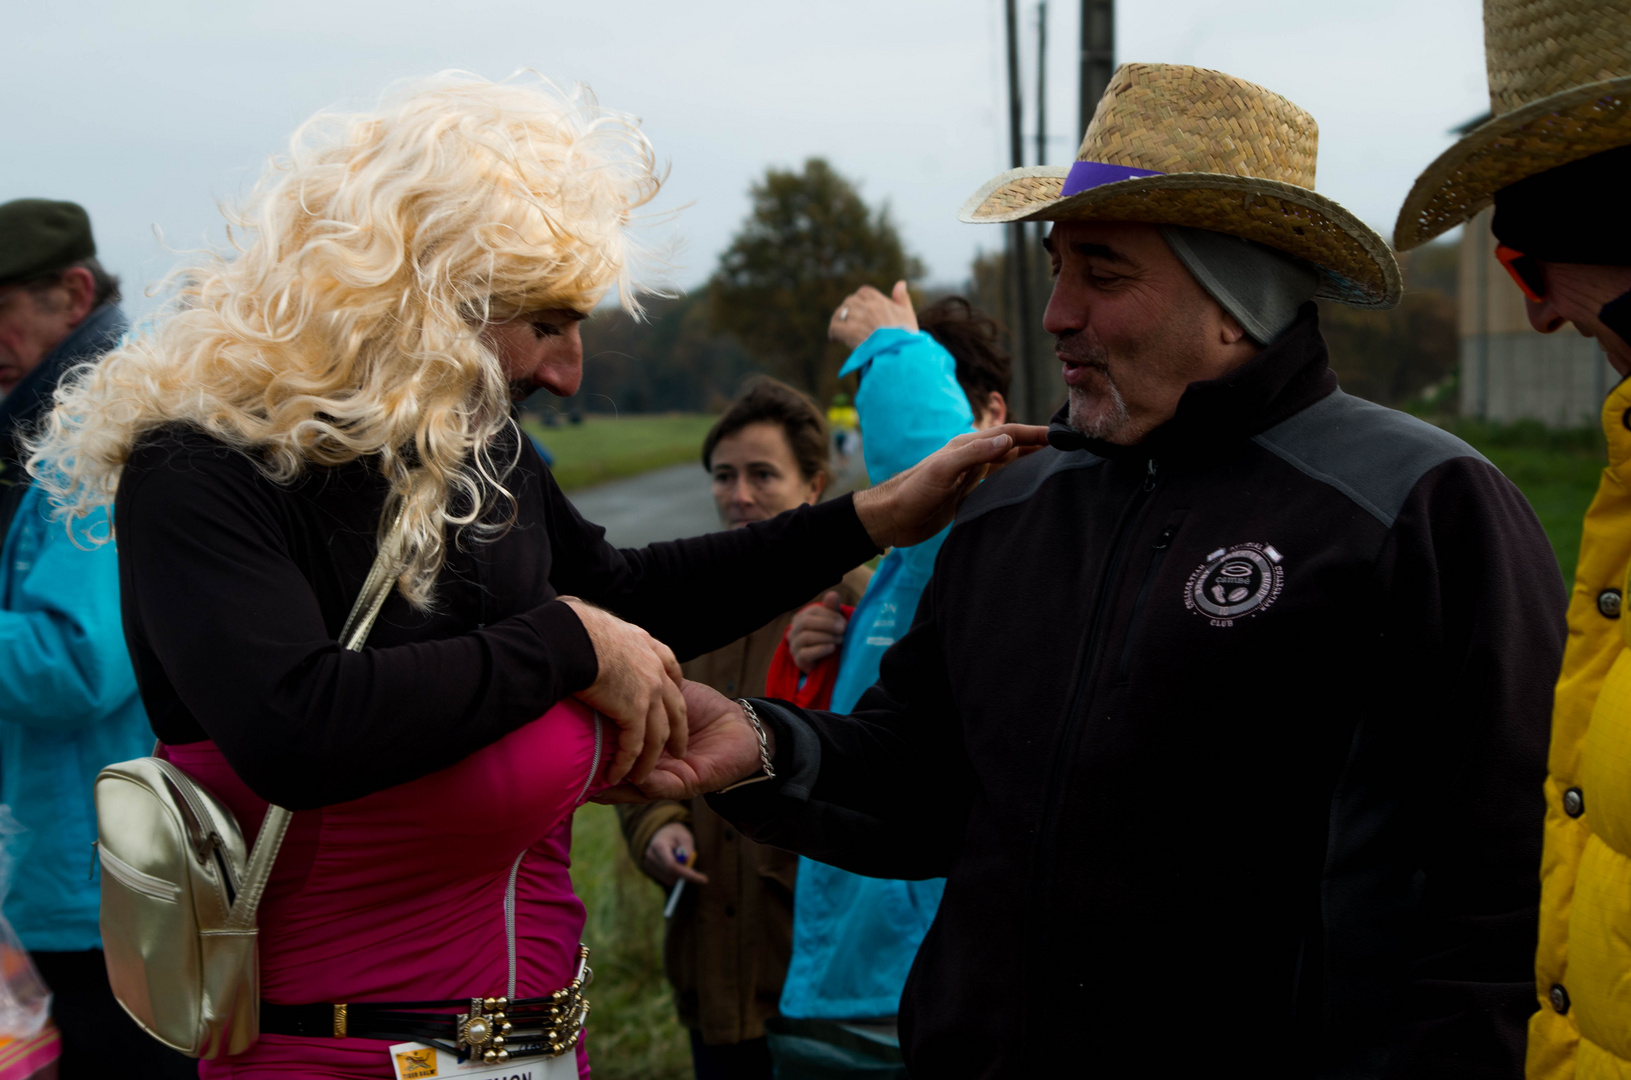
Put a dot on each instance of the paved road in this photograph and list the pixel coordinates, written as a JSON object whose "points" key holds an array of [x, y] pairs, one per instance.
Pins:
{"points": [[662, 505], [667, 504]]}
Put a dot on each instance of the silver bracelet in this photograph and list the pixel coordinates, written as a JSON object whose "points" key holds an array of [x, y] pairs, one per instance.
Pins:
{"points": [[764, 748]]}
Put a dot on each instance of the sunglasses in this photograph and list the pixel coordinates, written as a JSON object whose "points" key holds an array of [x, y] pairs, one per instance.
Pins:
{"points": [[1525, 270]]}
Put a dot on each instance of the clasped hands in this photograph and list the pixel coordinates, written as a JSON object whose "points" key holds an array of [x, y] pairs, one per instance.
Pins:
{"points": [[675, 738], [678, 739]]}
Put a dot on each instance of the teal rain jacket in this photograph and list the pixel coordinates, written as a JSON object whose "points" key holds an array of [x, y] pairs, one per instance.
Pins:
{"points": [[68, 702], [854, 938]]}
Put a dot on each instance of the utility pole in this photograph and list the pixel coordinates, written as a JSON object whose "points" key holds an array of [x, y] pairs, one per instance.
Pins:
{"points": [[1098, 53], [1018, 256], [1042, 82], [1042, 380]]}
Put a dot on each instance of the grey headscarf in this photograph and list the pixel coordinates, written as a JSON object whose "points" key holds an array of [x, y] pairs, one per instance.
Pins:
{"points": [[1262, 288]]}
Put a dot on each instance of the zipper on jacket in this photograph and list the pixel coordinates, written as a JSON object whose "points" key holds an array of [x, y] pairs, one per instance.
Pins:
{"points": [[1163, 544], [1090, 647], [1065, 750], [594, 762], [509, 919], [515, 867]]}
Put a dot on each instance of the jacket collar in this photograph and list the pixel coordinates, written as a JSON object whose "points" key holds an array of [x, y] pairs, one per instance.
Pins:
{"points": [[1282, 380], [100, 332]]}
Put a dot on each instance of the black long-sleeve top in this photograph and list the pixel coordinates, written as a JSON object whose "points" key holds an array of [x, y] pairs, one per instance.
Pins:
{"points": [[1230, 745], [234, 590]]}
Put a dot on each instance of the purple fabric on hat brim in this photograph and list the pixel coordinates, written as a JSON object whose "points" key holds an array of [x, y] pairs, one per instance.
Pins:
{"points": [[1092, 174]]}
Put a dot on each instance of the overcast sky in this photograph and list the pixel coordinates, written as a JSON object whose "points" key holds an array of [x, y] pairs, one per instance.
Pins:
{"points": [[149, 113]]}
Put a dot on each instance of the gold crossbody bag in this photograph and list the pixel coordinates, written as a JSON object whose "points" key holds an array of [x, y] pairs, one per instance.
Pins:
{"points": [[180, 887]]}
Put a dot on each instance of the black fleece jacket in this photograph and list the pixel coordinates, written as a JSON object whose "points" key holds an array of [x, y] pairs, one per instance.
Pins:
{"points": [[234, 590], [1230, 745]]}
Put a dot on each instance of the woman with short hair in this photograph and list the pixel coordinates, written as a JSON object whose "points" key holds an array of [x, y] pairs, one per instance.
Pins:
{"points": [[728, 937]]}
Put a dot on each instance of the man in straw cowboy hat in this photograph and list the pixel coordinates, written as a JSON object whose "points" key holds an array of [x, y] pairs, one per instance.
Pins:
{"points": [[1224, 716], [1555, 159]]}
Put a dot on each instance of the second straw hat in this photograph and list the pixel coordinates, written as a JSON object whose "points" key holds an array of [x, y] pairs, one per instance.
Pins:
{"points": [[1559, 90], [1176, 145]]}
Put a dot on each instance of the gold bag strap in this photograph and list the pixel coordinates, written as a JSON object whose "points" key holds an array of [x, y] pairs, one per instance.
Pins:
{"points": [[375, 588], [381, 579]]}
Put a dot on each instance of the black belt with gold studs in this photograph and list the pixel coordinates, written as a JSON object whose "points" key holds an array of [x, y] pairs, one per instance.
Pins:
{"points": [[492, 1029]]}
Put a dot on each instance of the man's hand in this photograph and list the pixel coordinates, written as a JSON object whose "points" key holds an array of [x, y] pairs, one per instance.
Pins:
{"points": [[724, 749], [669, 845], [916, 503], [816, 632], [866, 309], [638, 688]]}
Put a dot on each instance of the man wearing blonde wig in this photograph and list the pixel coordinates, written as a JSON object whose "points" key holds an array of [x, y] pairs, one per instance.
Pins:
{"points": [[344, 379], [1224, 716]]}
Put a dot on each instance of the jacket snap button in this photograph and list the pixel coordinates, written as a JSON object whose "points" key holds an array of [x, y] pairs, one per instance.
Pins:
{"points": [[1608, 602], [1574, 802], [1559, 998]]}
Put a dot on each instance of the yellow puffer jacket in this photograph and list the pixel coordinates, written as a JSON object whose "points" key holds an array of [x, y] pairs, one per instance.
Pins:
{"points": [[1583, 967]]}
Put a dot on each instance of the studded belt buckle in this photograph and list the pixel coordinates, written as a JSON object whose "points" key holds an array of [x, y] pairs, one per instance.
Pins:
{"points": [[482, 1030], [489, 1032]]}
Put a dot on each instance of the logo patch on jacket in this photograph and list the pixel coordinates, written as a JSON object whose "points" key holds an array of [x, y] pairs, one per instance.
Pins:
{"points": [[1234, 582]]}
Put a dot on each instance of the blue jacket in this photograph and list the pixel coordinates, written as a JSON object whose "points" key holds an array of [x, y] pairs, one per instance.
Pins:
{"points": [[854, 937], [68, 702]]}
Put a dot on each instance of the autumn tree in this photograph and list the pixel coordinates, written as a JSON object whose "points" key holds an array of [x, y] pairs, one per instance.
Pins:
{"points": [[809, 241], [1392, 356]]}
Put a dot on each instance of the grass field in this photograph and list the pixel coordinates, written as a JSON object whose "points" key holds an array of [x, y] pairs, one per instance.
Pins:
{"points": [[606, 448], [632, 1031], [1557, 471]]}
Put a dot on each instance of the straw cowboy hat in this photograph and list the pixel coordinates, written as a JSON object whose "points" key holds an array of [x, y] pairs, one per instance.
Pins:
{"points": [[1559, 91], [1176, 145]]}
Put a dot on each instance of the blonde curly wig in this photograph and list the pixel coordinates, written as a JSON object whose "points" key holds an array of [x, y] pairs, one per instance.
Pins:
{"points": [[345, 320]]}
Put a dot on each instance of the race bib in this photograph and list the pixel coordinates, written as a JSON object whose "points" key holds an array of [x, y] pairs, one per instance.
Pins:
{"points": [[414, 1061]]}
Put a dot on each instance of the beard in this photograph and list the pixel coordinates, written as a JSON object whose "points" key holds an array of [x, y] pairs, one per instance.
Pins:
{"points": [[1097, 412]]}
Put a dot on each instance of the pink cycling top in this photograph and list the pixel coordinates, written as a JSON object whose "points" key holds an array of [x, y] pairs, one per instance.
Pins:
{"points": [[453, 885]]}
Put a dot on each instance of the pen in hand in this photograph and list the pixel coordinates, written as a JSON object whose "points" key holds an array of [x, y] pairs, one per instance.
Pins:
{"points": [[681, 856]]}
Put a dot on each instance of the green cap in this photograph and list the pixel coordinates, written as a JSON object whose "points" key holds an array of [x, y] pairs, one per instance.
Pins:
{"points": [[38, 236]]}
